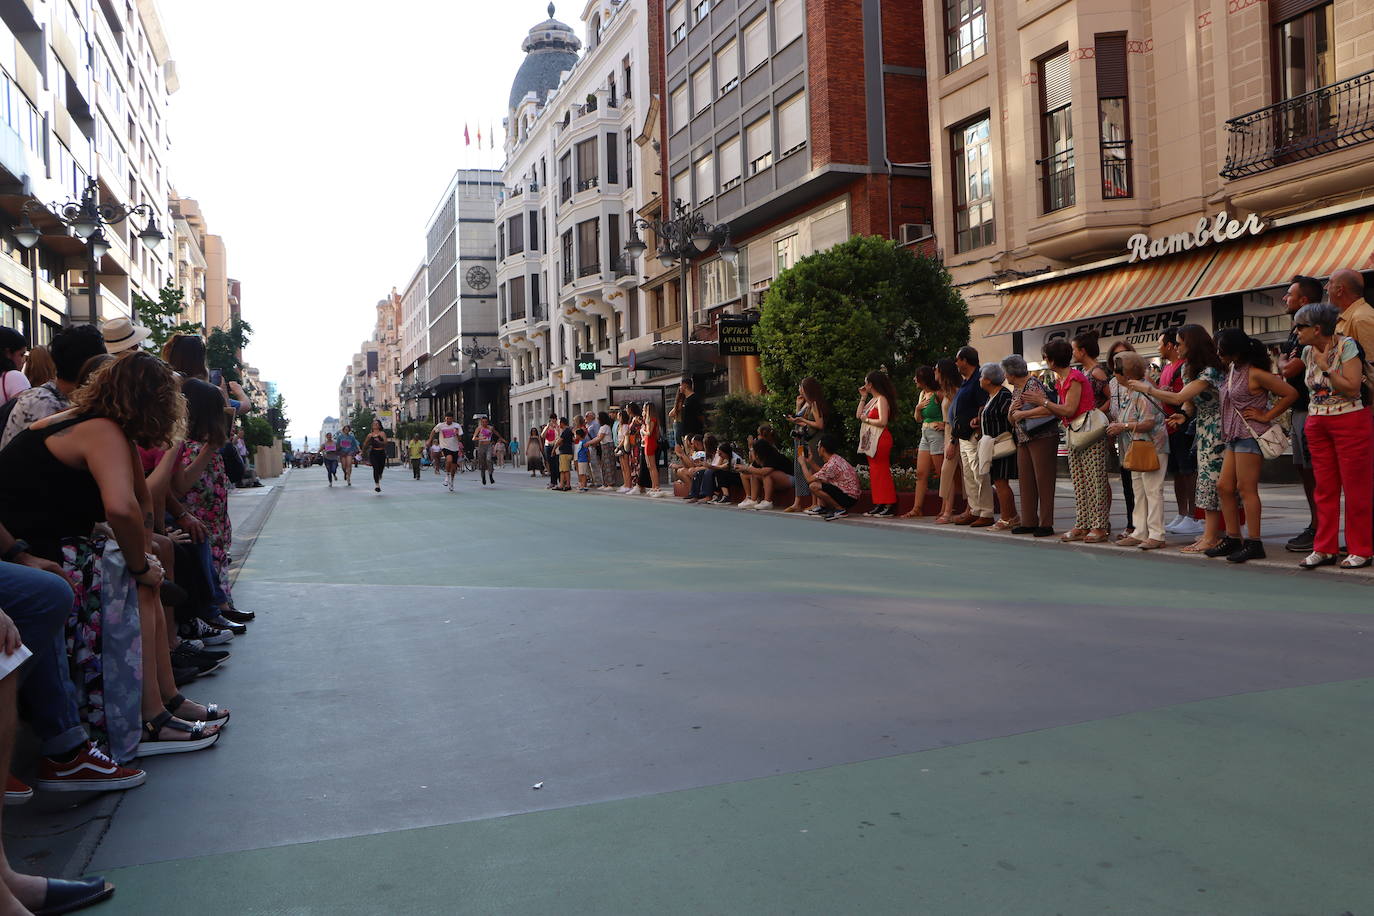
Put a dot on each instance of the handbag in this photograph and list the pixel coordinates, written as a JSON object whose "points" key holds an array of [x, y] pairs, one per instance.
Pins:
{"points": [[1141, 455], [1087, 429], [990, 448], [1272, 444], [868, 439]]}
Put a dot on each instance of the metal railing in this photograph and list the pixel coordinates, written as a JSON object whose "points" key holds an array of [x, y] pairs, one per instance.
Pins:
{"points": [[587, 270], [567, 275], [1116, 169], [622, 267], [1056, 179], [1316, 122]]}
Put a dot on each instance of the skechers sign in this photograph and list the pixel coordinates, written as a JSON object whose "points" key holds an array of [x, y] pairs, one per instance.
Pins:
{"points": [[1220, 228]]}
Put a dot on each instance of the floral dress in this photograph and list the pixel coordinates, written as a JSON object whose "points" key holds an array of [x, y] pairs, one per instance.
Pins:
{"points": [[208, 501], [1210, 447]]}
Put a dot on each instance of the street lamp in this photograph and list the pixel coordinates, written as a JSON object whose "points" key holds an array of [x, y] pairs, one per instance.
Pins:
{"points": [[87, 219], [682, 237]]}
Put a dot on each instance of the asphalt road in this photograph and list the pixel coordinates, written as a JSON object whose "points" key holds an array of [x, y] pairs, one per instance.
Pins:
{"points": [[515, 701]]}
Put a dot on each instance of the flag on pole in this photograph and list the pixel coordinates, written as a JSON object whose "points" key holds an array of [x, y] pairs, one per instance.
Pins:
{"points": [[491, 134], [467, 141], [479, 136]]}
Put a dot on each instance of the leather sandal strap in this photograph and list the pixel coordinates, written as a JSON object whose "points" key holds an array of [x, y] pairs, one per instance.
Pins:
{"points": [[174, 703], [154, 725]]}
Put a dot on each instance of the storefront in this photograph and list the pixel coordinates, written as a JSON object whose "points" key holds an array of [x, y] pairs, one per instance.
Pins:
{"points": [[1225, 273]]}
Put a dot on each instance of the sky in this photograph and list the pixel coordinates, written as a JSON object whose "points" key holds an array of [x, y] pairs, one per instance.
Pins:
{"points": [[318, 137]]}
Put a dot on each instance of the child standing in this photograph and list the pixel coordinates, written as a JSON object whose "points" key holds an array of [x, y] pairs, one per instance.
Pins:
{"points": [[565, 454], [584, 461]]}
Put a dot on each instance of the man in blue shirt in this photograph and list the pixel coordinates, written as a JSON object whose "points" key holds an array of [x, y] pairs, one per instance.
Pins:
{"points": [[963, 414]]}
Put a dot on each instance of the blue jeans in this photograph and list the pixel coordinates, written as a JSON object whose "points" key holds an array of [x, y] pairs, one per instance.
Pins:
{"points": [[39, 603], [207, 565]]}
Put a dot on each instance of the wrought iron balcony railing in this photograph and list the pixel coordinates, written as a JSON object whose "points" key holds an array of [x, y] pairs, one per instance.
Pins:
{"points": [[1317, 122]]}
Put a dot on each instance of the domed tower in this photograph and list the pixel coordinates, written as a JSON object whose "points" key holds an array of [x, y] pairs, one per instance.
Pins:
{"points": [[550, 49]]}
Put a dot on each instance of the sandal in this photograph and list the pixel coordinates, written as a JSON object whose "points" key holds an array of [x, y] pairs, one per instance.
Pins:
{"points": [[942, 520], [64, 896], [1098, 538], [1073, 534], [200, 735], [1355, 561], [793, 508], [213, 713], [1002, 524], [1198, 547]]}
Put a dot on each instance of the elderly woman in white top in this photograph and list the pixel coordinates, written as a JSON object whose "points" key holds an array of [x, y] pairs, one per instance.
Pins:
{"points": [[1140, 419]]}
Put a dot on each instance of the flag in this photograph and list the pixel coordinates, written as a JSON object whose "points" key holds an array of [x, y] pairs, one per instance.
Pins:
{"points": [[491, 134], [479, 136], [467, 141]]}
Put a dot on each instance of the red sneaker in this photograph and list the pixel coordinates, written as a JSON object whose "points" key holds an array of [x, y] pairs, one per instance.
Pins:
{"points": [[89, 771], [16, 793]]}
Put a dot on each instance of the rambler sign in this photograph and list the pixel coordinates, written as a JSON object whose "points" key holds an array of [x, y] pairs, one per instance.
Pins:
{"points": [[1220, 228]]}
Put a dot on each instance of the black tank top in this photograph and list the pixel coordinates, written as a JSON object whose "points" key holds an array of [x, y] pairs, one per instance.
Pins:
{"points": [[43, 500]]}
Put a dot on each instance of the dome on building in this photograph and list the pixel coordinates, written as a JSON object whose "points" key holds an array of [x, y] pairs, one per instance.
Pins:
{"points": [[550, 49]]}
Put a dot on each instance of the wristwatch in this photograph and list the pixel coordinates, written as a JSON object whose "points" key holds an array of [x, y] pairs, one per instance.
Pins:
{"points": [[18, 547]]}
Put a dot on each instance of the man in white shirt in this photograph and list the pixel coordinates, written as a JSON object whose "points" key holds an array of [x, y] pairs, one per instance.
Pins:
{"points": [[449, 435]]}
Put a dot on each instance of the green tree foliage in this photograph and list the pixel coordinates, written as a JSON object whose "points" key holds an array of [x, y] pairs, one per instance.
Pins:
{"points": [[865, 304], [361, 420], [421, 428], [276, 415], [736, 417], [257, 431], [163, 317], [223, 347]]}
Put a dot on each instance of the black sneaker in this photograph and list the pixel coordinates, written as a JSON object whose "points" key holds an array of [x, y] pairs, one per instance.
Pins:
{"points": [[1253, 549], [184, 676], [1303, 542], [836, 513], [1043, 532], [1224, 547], [186, 655], [237, 616]]}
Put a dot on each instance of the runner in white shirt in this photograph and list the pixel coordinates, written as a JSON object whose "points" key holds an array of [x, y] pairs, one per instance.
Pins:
{"points": [[449, 435]]}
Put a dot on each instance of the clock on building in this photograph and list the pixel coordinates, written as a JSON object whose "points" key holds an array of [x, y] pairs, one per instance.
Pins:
{"points": [[478, 278]]}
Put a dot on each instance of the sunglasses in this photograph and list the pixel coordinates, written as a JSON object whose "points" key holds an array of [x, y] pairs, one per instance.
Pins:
{"points": [[1298, 325]]}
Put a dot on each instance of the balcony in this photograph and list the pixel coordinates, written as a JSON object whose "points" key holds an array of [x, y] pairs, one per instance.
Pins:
{"points": [[1056, 181], [587, 270], [1312, 124]]}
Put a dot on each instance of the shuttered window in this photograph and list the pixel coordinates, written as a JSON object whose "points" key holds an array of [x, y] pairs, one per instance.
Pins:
{"points": [[677, 114], [727, 67], [758, 138], [792, 124], [788, 18], [701, 89], [677, 23], [1056, 164], [705, 178], [756, 43], [731, 166], [1113, 116]]}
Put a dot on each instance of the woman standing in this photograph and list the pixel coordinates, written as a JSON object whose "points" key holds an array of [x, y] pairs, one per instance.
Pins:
{"points": [[1087, 466], [348, 447], [930, 453], [1338, 433], [550, 437], [330, 450], [534, 452], [374, 446], [1245, 416], [1139, 418], [1118, 396], [994, 421], [630, 427], [485, 437], [951, 471], [1201, 393], [39, 367], [809, 420], [605, 449], [1037, 449], [877, 399], [651, 433]]}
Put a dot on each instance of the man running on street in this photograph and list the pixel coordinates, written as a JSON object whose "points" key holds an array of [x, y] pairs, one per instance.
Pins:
{"points": [[348, 447], [450, 438]]}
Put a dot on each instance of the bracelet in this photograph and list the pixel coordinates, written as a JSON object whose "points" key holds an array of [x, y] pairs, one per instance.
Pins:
{"points": [[142, 572]]}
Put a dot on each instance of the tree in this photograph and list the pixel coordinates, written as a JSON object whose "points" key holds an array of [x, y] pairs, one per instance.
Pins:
{"points": [[421, 428], [257, 431], [361, 420], [224, 346], [163, 317], [276, 415], [864, 304], [736, 417]]}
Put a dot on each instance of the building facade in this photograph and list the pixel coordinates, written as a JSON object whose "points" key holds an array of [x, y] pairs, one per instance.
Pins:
{"points": [[1131, 170], [567, 297], [414, 345], [373, 377]]}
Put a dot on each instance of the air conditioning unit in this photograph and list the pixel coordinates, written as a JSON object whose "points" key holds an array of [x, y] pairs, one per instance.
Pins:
{"points": [[914, 232]]}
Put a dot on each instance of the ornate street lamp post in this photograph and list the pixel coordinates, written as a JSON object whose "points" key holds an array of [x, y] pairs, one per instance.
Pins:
{"points": [[475, 353], [682, 237], [87, 219]]}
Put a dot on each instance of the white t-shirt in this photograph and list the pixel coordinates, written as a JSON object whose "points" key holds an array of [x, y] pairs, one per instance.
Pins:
{"points": [[450, 436], [13, 384]]}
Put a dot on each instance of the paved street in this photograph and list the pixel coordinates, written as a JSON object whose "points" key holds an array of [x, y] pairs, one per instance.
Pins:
{"points": [[735, 712]]}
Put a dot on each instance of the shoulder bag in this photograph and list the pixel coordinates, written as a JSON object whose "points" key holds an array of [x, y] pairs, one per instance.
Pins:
{"points": [[1272, 444], [1141, 454], [1087, 429]]}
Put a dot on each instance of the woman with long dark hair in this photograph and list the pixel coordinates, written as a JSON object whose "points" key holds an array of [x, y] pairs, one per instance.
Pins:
{"points": [[877, 401], [809, 420], [930, 453], [948, 380], [374, 446], [651, 429], [14, 350]]}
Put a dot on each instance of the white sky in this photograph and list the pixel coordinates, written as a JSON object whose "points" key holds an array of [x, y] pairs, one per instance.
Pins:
{"points": [[317, 137]]}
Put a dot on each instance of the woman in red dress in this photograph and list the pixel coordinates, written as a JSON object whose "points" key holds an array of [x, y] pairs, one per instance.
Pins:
{"points": [[877, 399]]}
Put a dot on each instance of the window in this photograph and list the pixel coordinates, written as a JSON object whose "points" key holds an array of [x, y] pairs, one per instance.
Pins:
{"points": [[613, 249], [701, 89], [535, 311], [627, 72], [965, 32], [588, 247], [500, 243], [1056, 132], [756, 43], [727, 67], [586, 164], [700, 10], [534, 233], [516, 299], [567, 257], [1303, 61], [758, 140], [792, 124], [785, 253], [971, 152], [677, 23], [705, 169], [629, 158], [681, 189], [1109, 57], [612, 159], [730, 165], [678, 116], [516, 233], [719, 283], [565, 177], [788, 18]]}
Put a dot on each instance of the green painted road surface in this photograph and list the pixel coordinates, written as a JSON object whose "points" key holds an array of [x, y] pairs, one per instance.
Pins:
{"points": [[733, 712]]}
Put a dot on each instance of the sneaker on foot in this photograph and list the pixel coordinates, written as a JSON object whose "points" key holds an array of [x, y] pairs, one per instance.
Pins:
{"points": [[1172, 526], [1190, 526], [90, 770], [834, 514], [763, 506], [1303, 541], [746, 504], [16, 793]]}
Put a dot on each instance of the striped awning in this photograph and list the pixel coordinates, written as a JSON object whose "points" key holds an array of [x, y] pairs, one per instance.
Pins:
{"points": [[1314, 249], [1106, 292]]}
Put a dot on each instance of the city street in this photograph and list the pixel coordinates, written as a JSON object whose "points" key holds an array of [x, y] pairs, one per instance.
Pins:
{"points": [[516, 701]]}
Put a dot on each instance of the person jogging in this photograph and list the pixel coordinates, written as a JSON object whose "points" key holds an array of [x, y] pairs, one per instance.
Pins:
{"points": [[348, 447], [485, 439], [329, 450], [375, 447], [449, 435]]}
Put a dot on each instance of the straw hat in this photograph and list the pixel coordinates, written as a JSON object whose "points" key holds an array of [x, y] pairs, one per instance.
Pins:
{"points": [[122, 334]]}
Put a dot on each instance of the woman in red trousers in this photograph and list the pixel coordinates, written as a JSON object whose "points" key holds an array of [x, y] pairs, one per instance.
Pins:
{"points": [[877, 401], [1339, 431]]}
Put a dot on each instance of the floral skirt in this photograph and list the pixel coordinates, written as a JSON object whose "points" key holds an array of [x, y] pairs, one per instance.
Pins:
{"points": [[1210, 453]]}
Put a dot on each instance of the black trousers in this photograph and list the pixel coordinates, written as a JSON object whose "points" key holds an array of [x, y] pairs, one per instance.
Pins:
{"points": [[377, 458], [415, 467]]}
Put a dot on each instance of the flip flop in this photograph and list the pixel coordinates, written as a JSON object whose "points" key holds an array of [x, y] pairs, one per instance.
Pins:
{"points": [[63, 896]]}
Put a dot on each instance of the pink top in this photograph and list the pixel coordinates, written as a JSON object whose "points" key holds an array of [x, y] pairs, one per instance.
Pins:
{"points": [[1086, 401]]}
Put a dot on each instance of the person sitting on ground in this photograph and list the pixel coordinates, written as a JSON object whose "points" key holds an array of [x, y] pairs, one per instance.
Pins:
{"points": [[710, 458], [71, 347], [721, 474], [691, 454], [769, 470], [835, 483]]}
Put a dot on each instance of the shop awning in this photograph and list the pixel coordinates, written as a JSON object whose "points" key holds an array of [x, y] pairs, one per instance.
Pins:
{"points": [[1116, 289], [1314, 249]]}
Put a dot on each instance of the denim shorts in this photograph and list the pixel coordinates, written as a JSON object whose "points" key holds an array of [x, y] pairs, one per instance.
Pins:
{"points": [[932, 440], [1247, 446]]}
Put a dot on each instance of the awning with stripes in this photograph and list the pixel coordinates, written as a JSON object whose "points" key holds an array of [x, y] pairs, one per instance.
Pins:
{"points": [[1314, 249]]}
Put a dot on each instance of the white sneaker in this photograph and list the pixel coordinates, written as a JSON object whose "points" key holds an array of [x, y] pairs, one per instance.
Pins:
{"points": [[1190, 526], [1172, 526], [763, 506], [656, 494], [746, 504]]}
